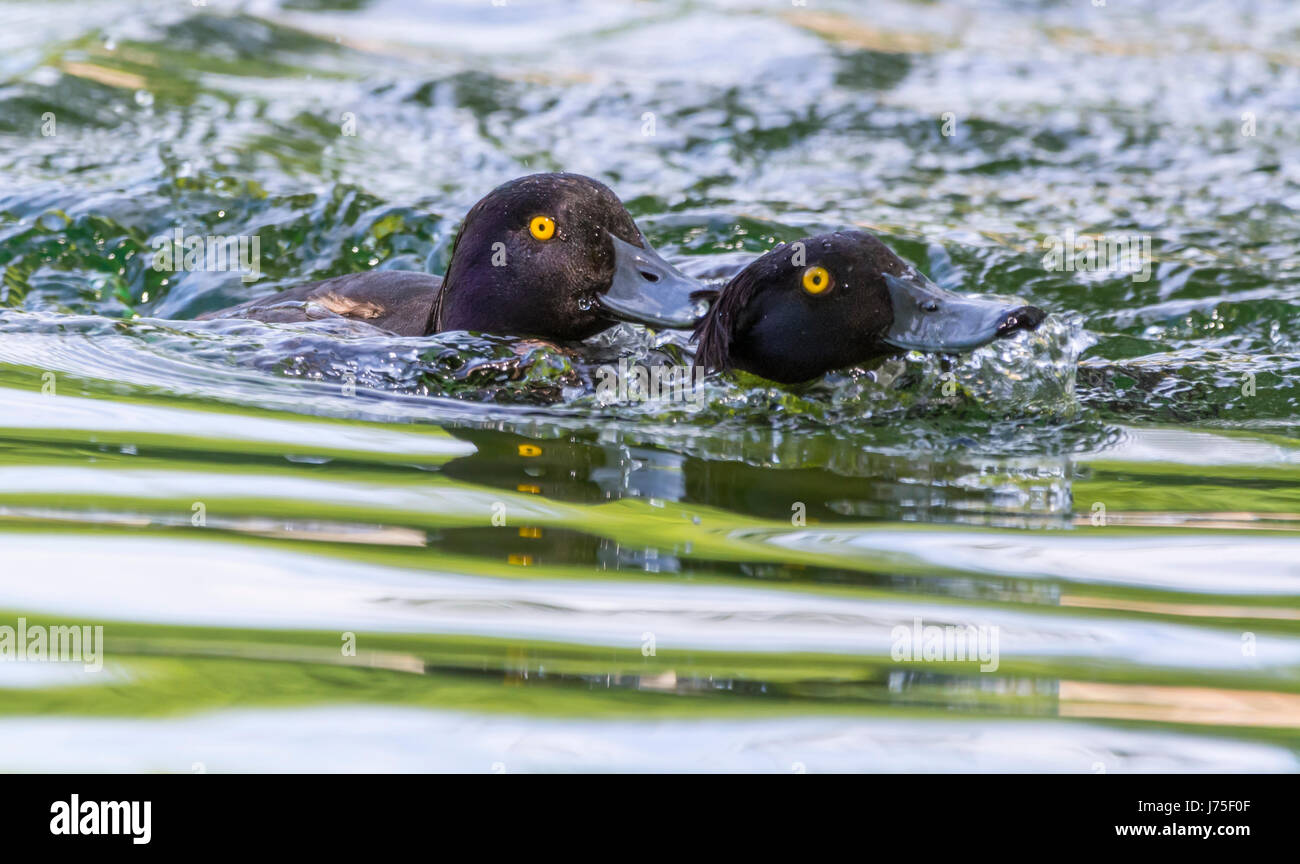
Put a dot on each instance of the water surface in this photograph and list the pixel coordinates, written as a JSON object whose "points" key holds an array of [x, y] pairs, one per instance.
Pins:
{"points": [[537, 578]]}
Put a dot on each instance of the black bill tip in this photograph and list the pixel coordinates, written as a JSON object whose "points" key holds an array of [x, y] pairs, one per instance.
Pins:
{"points": [[1024, 318]]}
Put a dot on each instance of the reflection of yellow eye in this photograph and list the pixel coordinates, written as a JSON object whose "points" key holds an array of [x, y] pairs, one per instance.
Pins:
{"points": [[816, 280], [542, 227]]}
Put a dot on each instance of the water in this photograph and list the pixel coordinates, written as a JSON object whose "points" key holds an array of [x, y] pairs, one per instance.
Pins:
{"points": [[711, 584]]}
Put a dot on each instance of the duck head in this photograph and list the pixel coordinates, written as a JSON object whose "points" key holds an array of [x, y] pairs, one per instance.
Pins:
{"points": [[837, 300], [558, 256]]}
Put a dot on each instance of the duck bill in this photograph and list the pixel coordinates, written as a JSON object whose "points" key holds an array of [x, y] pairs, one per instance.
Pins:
{"points": [[930, 318], [648, 290]]}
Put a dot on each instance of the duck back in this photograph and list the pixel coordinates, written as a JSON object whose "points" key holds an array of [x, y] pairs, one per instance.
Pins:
{"points": [[400, 301]]}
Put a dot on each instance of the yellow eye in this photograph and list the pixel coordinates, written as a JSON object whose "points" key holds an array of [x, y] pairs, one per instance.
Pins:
{"points": [[542, 227], [816, 280]]}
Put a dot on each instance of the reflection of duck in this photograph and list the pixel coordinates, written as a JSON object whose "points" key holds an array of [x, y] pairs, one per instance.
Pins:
{"points": [[890, 487], [561, 470], [860, 485], [550, 255], [837, 300], [567, 470]]}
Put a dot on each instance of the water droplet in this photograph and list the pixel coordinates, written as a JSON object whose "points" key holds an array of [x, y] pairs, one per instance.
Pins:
{"points": [[143, 98]]}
